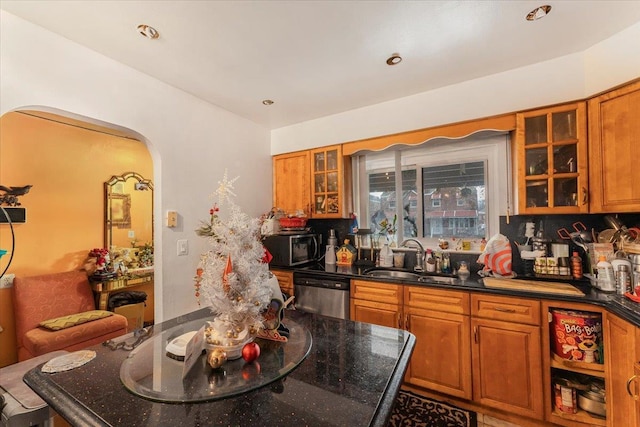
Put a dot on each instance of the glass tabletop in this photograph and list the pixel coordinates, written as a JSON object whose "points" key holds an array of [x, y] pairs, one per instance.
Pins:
{"points": [[148, 371]]}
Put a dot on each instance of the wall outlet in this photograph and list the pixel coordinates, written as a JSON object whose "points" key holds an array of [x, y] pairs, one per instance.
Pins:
{"points": [[131, 234], [183, 247], [172, 219]]}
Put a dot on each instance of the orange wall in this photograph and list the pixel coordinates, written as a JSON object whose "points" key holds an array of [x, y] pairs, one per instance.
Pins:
{"points": [[67, 167]]}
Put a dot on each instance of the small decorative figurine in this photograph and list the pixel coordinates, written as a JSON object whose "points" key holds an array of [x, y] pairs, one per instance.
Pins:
{"points": [[11, 194]]}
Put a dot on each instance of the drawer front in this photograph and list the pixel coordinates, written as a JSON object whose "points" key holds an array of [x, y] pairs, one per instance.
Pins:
{"points": [[376, 291], [377, 313], [510, 309], [285, 280], [437, 299]]}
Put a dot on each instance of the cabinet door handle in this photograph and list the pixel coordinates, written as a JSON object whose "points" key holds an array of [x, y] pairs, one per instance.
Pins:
{"points": [[476, 338], [585, 196], [504, 310], [632, 394], [406, 323]]}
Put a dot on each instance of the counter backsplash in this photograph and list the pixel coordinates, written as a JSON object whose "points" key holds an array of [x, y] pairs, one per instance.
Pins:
{"points": [[515, 230]]}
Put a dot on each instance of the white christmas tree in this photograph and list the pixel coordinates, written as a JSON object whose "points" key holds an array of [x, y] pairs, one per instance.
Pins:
{"points": [[232, 277]]}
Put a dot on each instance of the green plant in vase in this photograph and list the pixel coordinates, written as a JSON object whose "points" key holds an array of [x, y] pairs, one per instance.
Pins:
{"points": [[389, 229]]}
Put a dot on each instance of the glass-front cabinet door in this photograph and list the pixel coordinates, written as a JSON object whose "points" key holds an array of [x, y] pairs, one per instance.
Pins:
{"points": [[326, 164], [551, 146]]}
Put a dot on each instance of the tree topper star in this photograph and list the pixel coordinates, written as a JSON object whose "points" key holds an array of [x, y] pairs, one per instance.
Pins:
{"points": [[225, 188]]}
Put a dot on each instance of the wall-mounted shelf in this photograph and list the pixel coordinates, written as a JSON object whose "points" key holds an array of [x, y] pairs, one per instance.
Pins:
{"points": [[16, 215]]}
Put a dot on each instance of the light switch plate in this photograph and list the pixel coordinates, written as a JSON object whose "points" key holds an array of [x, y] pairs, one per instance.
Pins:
{"points": [[183, 247]]}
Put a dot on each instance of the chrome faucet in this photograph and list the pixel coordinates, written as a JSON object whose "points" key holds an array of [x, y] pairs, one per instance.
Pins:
{"points": [[419, 254]]}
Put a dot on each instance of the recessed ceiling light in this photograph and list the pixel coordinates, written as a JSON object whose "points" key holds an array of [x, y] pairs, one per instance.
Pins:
{"points": [[267, 102], [394, 59], [148, 31], [538, 12]]}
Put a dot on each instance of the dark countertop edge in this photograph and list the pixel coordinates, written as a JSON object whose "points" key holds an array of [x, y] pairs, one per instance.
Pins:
{"points": [[387, 401], [75, 413], [613, 303], [70, 409]]}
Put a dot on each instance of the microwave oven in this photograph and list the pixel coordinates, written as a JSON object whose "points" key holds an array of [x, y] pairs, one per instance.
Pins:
{"points": [[290, 250]]}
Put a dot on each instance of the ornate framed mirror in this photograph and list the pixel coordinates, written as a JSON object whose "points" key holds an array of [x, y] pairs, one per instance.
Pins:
{"points": [[128, 215]]}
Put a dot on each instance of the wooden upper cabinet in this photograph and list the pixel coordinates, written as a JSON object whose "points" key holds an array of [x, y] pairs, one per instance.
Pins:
{"points": [[551, 158], [291, 179], [328, 183], [614, 141]]}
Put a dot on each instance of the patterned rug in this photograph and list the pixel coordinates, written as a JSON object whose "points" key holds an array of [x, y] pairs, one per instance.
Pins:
{"points": [[412, 410]]}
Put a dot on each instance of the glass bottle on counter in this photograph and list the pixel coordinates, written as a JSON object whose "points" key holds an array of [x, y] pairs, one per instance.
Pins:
{"points": [[606, 278], [576, 266], [623, 280], [430, 262], [446, 264]]}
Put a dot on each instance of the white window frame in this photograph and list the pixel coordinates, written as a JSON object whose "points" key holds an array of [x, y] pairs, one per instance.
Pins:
{"points": [[492, 147]]}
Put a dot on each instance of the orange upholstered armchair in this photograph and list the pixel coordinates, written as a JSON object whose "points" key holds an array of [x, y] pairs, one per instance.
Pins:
{"points": [[57, 312]]}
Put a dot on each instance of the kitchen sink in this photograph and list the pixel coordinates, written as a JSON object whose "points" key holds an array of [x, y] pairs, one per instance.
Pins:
{"points": [[407, 275], [438, 279], [394, 274]]}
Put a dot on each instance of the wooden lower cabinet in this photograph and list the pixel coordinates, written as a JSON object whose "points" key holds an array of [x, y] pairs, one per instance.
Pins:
{"points": [[634, 385], [555, 366], [285, 280], [506, 354], [621, 359], [376, 303], [495, 351], [440, 321], [507, 372]]}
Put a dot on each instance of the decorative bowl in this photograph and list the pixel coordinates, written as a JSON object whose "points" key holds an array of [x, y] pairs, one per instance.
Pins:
{"points": [[293, 222], [233, 351], [215, 338]]}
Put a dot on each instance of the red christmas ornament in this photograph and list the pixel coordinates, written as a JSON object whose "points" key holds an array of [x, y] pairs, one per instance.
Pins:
{"points": [[250, 352]]}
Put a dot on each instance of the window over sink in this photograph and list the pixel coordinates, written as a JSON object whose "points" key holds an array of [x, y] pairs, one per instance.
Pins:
{"points": [[443, 189]]}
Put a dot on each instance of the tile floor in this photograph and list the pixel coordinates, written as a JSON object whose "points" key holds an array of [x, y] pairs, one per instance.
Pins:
{"points": [[489, 421]]}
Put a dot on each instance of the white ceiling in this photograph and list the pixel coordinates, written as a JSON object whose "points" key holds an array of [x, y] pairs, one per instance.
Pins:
{"points": [[317, 58]]}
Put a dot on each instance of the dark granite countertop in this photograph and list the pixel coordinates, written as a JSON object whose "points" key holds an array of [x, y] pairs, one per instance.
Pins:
{"points": [[616, 304], [351, 377]]}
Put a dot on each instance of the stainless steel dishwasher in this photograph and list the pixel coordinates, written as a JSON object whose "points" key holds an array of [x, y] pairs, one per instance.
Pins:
{"points": [[320, 293]]}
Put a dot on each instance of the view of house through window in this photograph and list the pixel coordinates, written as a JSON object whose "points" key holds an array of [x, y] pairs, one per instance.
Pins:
{"points": [[454, 200]]}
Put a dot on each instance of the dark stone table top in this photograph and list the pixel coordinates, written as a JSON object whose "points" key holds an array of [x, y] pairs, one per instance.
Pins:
{"points": [[351, 377]]}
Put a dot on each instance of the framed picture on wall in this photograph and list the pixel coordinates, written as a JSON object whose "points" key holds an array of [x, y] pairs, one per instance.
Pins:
{"points": [[120, 210]]}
